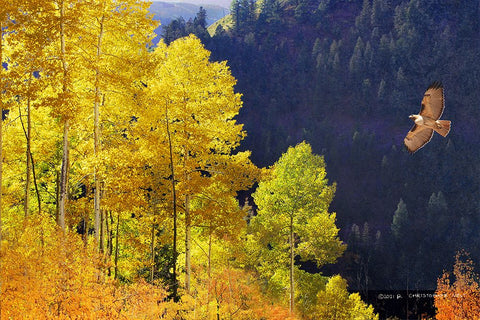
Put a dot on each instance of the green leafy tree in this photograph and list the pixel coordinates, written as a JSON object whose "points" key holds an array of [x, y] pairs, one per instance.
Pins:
{"points": [[293, 218]]}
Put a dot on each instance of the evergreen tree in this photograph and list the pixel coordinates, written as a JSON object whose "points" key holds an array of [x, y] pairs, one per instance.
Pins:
{"points": [[243, 14], [174, 30], [400, 220]]}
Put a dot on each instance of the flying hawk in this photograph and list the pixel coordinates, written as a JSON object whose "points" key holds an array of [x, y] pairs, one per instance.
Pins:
{"points": [[428, 120]]}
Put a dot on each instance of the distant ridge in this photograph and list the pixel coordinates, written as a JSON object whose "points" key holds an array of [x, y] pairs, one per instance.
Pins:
{"points": [[165, 12], [168, 11], [221, 3]]}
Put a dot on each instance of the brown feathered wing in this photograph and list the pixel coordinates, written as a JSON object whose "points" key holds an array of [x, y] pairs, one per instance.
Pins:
{"points": [[433, 104], [417, 137]]}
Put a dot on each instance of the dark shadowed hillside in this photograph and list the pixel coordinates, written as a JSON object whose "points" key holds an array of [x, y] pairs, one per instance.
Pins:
{"points": [[345, 75]]}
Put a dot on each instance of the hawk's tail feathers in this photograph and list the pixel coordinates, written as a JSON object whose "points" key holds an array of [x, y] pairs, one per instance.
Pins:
{"points": [[443, 127]]}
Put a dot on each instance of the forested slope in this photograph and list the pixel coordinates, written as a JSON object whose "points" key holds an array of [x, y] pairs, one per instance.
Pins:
{"points": [[344, 76]]}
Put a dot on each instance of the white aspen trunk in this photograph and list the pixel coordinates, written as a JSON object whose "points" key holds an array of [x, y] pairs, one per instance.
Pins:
{"points": [[116, 248], [188, 245], [174, 208], [26, 206], [209, 272], [63, 178]]}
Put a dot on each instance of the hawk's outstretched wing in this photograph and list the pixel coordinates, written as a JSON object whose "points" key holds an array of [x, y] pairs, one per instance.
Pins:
{"points": [[417, 137], [433, 102]]}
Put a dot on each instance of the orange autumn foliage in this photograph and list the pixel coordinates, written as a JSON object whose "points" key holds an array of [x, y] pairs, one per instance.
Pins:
{"points": [[230, 293], [48, 274], [238, 296], [460, 299]]}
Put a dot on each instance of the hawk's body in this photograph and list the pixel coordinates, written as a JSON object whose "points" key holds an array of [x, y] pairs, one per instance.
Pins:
{"points": [[427, 120]]}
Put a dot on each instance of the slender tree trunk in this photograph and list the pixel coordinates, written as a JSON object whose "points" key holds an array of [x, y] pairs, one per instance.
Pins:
{"points": [[152, 253], [110, 235], [188, 221], [96, 135], [107, 231], [107, 246], [102, 232], [116, 248], [292, 260], [30, 170], [26, 206], [39, 200], [209, 272], [96, 204], [63, 178], [110, 223], [209, 258], [188, 244], [66, 125], [174, 206], [57, 195], [85, 219]]}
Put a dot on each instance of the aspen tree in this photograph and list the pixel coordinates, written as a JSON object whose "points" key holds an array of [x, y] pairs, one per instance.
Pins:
{"points": [[205, 103], [219, 217], [293, 217], [336, 303], [152, 134], [64, 17], [5, 22], [196, 104], [27, 59], [113, 43]]}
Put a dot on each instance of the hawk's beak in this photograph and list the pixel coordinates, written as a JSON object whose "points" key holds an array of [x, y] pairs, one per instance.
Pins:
{"points": [[411, 116]]}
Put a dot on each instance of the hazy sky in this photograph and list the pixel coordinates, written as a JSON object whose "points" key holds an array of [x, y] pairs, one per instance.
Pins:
{"points": [[223, 3]]}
